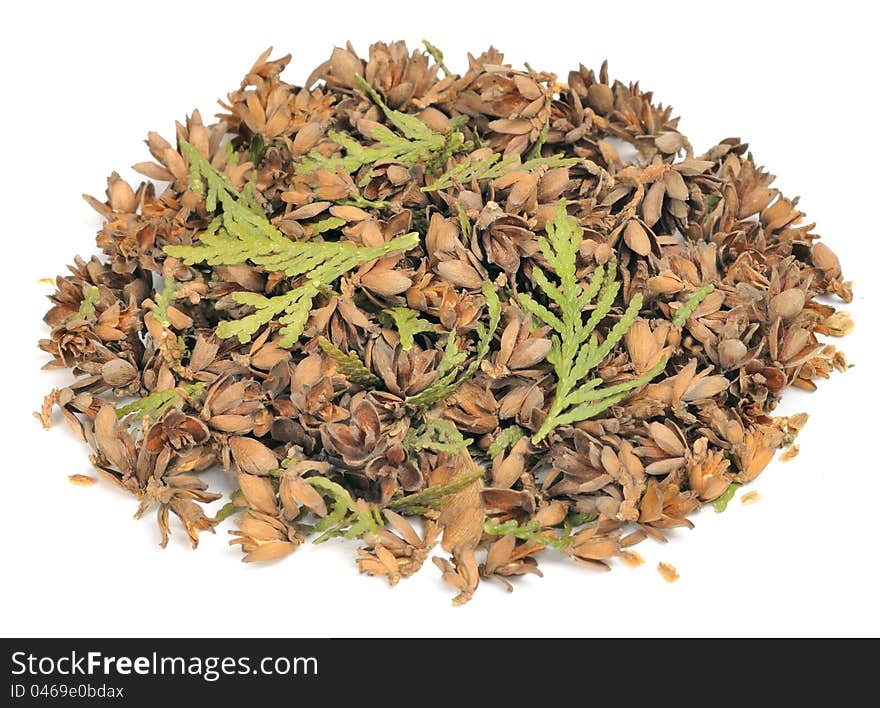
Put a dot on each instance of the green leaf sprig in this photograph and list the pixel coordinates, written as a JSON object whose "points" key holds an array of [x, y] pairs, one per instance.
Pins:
{"points": [[505, 439], [243, 234], [431, 497], [490, 168], [156, 403], [87, 307], [576, 349], [407, 323], [347, 518], [349, 365], [437, 435], [415, 144]]}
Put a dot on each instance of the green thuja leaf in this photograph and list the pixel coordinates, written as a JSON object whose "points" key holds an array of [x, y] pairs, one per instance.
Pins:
{"points": [[230, 507], [464, 172], [87, 306], [417, 144], [491, 168], [432, 497], [437, 55], [505, 439], [452, 357], [711, 202], [163, 300], [530, 531], [156, 403], [349, 365], [243, 234], [579, 518], [445, 381], [258, 149], [535, 151], [227, 510], [331, 223], [152, 405], [576, 350], [347, 518], [412, 127], [362, 202], [692, 303], [437, 435], [722, 501], [232, 157], [407, 323]]}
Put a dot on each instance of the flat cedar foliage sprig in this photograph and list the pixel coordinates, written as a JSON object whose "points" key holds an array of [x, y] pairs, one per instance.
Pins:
{"points": [[242, 234], [407, 323], [441, 313], [576, 349], [493, 167], [156, 403], [416, 143], [347, 518]]}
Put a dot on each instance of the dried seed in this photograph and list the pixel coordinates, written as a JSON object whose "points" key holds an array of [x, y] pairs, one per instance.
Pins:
{"points": [[750, 498], [731, 353], [118, 372], [252, 456], [651, 207], [669, 142], [788, 304], [637, 238], [460, 273], [632, 558], [824, 258], [667, 572]]}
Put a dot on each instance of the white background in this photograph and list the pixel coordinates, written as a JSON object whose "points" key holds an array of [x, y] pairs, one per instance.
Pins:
{"points": [[83, 83]]}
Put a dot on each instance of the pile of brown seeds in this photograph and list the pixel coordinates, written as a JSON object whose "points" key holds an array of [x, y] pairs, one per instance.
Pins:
{"points": [[401, 305]]}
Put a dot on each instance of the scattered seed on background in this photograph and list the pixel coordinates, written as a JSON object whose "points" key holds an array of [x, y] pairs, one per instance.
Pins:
{"points": [[668, 572], [751, 497]]}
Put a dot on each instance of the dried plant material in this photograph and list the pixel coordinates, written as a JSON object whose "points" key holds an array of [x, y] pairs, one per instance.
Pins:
{"points": [[461, 573], [631, 558], [750, 498], [668, 572], [406, 306], [576, 350], [44, 415], [81, 480], [462, 517], [790, 453], [397, 552]]}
